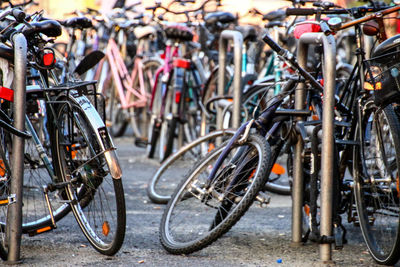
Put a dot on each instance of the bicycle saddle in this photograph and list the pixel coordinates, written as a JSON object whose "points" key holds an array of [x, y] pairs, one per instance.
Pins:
{"points": [[50, 28], [279, 14], [222, 17], [179, 32], [77, 22], [144, 32]]}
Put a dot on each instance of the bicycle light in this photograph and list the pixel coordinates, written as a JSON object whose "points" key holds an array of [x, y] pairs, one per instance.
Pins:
{"points": [[372, 81]]}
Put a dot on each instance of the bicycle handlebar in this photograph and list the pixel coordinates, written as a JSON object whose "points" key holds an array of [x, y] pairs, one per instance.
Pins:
{"points": [[17, 13], [314, 11], [292, 62], [274, 46]]}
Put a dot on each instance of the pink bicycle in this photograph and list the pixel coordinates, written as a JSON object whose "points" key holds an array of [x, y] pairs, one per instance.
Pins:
{"points": [[128, 96]]}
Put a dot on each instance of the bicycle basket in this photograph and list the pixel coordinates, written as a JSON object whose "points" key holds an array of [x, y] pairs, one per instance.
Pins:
{"points": [[383, 73]]}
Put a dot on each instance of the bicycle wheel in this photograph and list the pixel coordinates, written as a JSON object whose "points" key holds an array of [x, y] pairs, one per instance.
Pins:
{"points": [[200, 211], [161, 186], [38, 175], [118, 118], [376, 163], [140, 117], [100, 211]]}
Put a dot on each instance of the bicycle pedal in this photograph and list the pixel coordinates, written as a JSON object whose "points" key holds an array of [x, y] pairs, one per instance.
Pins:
{"points": [[5, 201], [339, 237]]}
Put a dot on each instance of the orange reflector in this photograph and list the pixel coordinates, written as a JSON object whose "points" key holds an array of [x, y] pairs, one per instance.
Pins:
{"points": [[307, 209], [44, 229], [2, 168], [370, 87], [211, 147], [252, 174], [73, 151], [106, 228], [4, 202], [315, 117], [398, 185], [278, 169]]}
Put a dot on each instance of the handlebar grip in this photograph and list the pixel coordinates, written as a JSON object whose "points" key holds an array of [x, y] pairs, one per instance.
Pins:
{"points": [[18, 14], [300, 11], [274, 46]]}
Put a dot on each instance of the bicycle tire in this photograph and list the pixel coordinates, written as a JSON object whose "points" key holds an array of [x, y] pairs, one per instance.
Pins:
{"points": [[118, 117], [155, 123], [170, 137], [82, 164], [377, 200], [162, 184], [212, 225]]}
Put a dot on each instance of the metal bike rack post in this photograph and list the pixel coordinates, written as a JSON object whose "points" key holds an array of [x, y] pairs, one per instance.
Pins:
{"points": [[237, 80], [329, 71], [14, 223]]}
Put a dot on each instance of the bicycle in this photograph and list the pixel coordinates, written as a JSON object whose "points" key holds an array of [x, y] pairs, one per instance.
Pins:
{"points": [[130, 98], [273, 121], [78, 168]]}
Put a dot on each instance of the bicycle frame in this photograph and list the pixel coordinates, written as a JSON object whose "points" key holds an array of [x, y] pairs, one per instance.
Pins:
{"points": [[123, 81]]}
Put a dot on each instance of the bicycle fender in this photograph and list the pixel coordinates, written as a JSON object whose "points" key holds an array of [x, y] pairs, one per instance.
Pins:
{"points": [[101, 134]]}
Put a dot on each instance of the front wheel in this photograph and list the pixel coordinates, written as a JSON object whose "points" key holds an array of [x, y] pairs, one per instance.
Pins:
{"points": [[377, 194], [201, 210], [97, 198]]}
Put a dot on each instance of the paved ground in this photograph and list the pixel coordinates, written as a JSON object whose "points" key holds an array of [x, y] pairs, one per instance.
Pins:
{"points": [[261, 238]]}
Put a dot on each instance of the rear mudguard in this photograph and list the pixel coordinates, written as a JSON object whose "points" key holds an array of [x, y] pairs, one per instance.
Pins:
{"points": [[102, 135]]}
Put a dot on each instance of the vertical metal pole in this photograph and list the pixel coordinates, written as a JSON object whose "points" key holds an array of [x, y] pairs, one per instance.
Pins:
{"points": [[237, 76], [328, 144], [14, 220], [298, 180], [329, 72]]}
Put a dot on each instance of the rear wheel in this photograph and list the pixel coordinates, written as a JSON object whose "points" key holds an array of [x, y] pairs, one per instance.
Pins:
{"points": [[100, 211]]}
